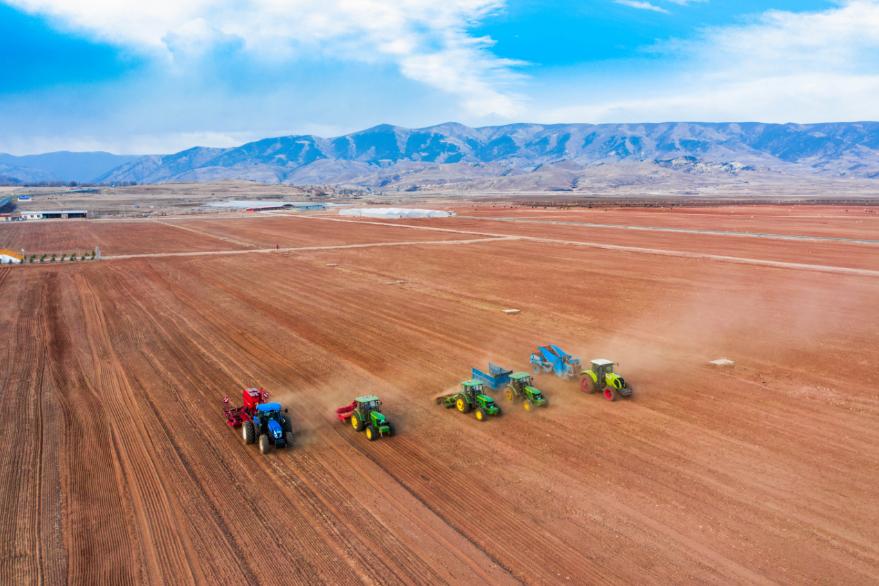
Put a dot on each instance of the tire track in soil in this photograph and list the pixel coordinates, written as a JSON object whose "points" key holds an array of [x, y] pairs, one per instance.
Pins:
{"points": [[19, 510], [152, 512], [304, 478], [250, 302], [264, 525], [307, 476], [304, 357]]}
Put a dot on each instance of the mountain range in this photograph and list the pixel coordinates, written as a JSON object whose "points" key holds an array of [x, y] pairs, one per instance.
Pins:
{"points": [[451, 155], [58, 167]]}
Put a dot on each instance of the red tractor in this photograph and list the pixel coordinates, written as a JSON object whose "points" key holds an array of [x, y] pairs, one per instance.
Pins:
{"points": [[250, 398]]}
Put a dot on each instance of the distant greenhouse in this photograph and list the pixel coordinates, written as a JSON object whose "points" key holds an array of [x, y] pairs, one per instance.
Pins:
{"points": [[257, 205]]}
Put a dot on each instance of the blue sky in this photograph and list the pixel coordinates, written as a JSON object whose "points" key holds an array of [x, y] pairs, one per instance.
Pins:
{"points": [[135, 77]]}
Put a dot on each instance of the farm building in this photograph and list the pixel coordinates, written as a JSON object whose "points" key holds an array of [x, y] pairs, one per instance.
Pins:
{"points": [[54, 214], [10, 257]]}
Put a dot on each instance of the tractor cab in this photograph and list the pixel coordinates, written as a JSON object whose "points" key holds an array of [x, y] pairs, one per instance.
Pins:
{"points": [[268, 409], [370, 409], [520, 380], [472, 387], [367, 403], [602, 367], [270, 421]]}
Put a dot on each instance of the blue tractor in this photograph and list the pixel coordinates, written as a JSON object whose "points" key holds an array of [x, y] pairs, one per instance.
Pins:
{"points": [[269, 426], [551, 358]]}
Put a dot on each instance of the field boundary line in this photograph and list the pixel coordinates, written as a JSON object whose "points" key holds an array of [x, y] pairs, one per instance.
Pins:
{"points": [[694, 231], [309, 248], [642, 250], [208, 234]]}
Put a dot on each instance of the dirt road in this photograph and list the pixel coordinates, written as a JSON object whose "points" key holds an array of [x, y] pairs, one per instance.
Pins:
{"points": [[118, 467]]}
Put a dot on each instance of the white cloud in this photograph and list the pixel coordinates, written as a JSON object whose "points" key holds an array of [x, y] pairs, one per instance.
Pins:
{"points": [[782, 66], [428, 40], [641, 5]]}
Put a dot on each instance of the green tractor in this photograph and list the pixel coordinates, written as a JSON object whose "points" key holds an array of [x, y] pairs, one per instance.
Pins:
{"points": [[601, 378], [471, 397], [365, 413], [520, 387]]}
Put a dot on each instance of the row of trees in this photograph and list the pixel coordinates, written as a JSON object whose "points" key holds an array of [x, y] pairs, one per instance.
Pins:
{"points": [[65, 257]]}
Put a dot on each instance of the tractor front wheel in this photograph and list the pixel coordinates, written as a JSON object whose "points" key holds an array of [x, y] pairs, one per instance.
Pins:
{"points": [[265, 444], [610, 394], [526, 405], [462, 405], [480, 414], [370, 433], [247, 432]]}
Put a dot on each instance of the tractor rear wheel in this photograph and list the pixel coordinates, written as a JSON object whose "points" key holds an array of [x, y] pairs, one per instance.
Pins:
{"points": [[289, 436], [390, 429], [247, 432], [370, 433], [526, 405], [265, 444], [480, 414], [462, 405], [509, 394], [356, 423], [610, 394]]}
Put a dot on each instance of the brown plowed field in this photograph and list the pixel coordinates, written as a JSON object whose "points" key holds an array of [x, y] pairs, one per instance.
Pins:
{"points": [[118, 467], [809, 220]]}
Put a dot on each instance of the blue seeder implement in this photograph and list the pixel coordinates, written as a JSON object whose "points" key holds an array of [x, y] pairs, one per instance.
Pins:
{"points": [[551, 358], [496, 378]]}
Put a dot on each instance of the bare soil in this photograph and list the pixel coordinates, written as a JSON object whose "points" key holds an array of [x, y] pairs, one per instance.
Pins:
{"points": [[118, 466]]}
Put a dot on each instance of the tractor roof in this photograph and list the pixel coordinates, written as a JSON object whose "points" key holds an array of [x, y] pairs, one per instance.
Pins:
{"points": [[602, 362], [366, 398], [268, 407], [520, 374], [472, 383]]}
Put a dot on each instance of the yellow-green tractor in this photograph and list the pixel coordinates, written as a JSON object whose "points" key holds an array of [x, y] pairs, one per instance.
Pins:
{"points": [[601, 378]]}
